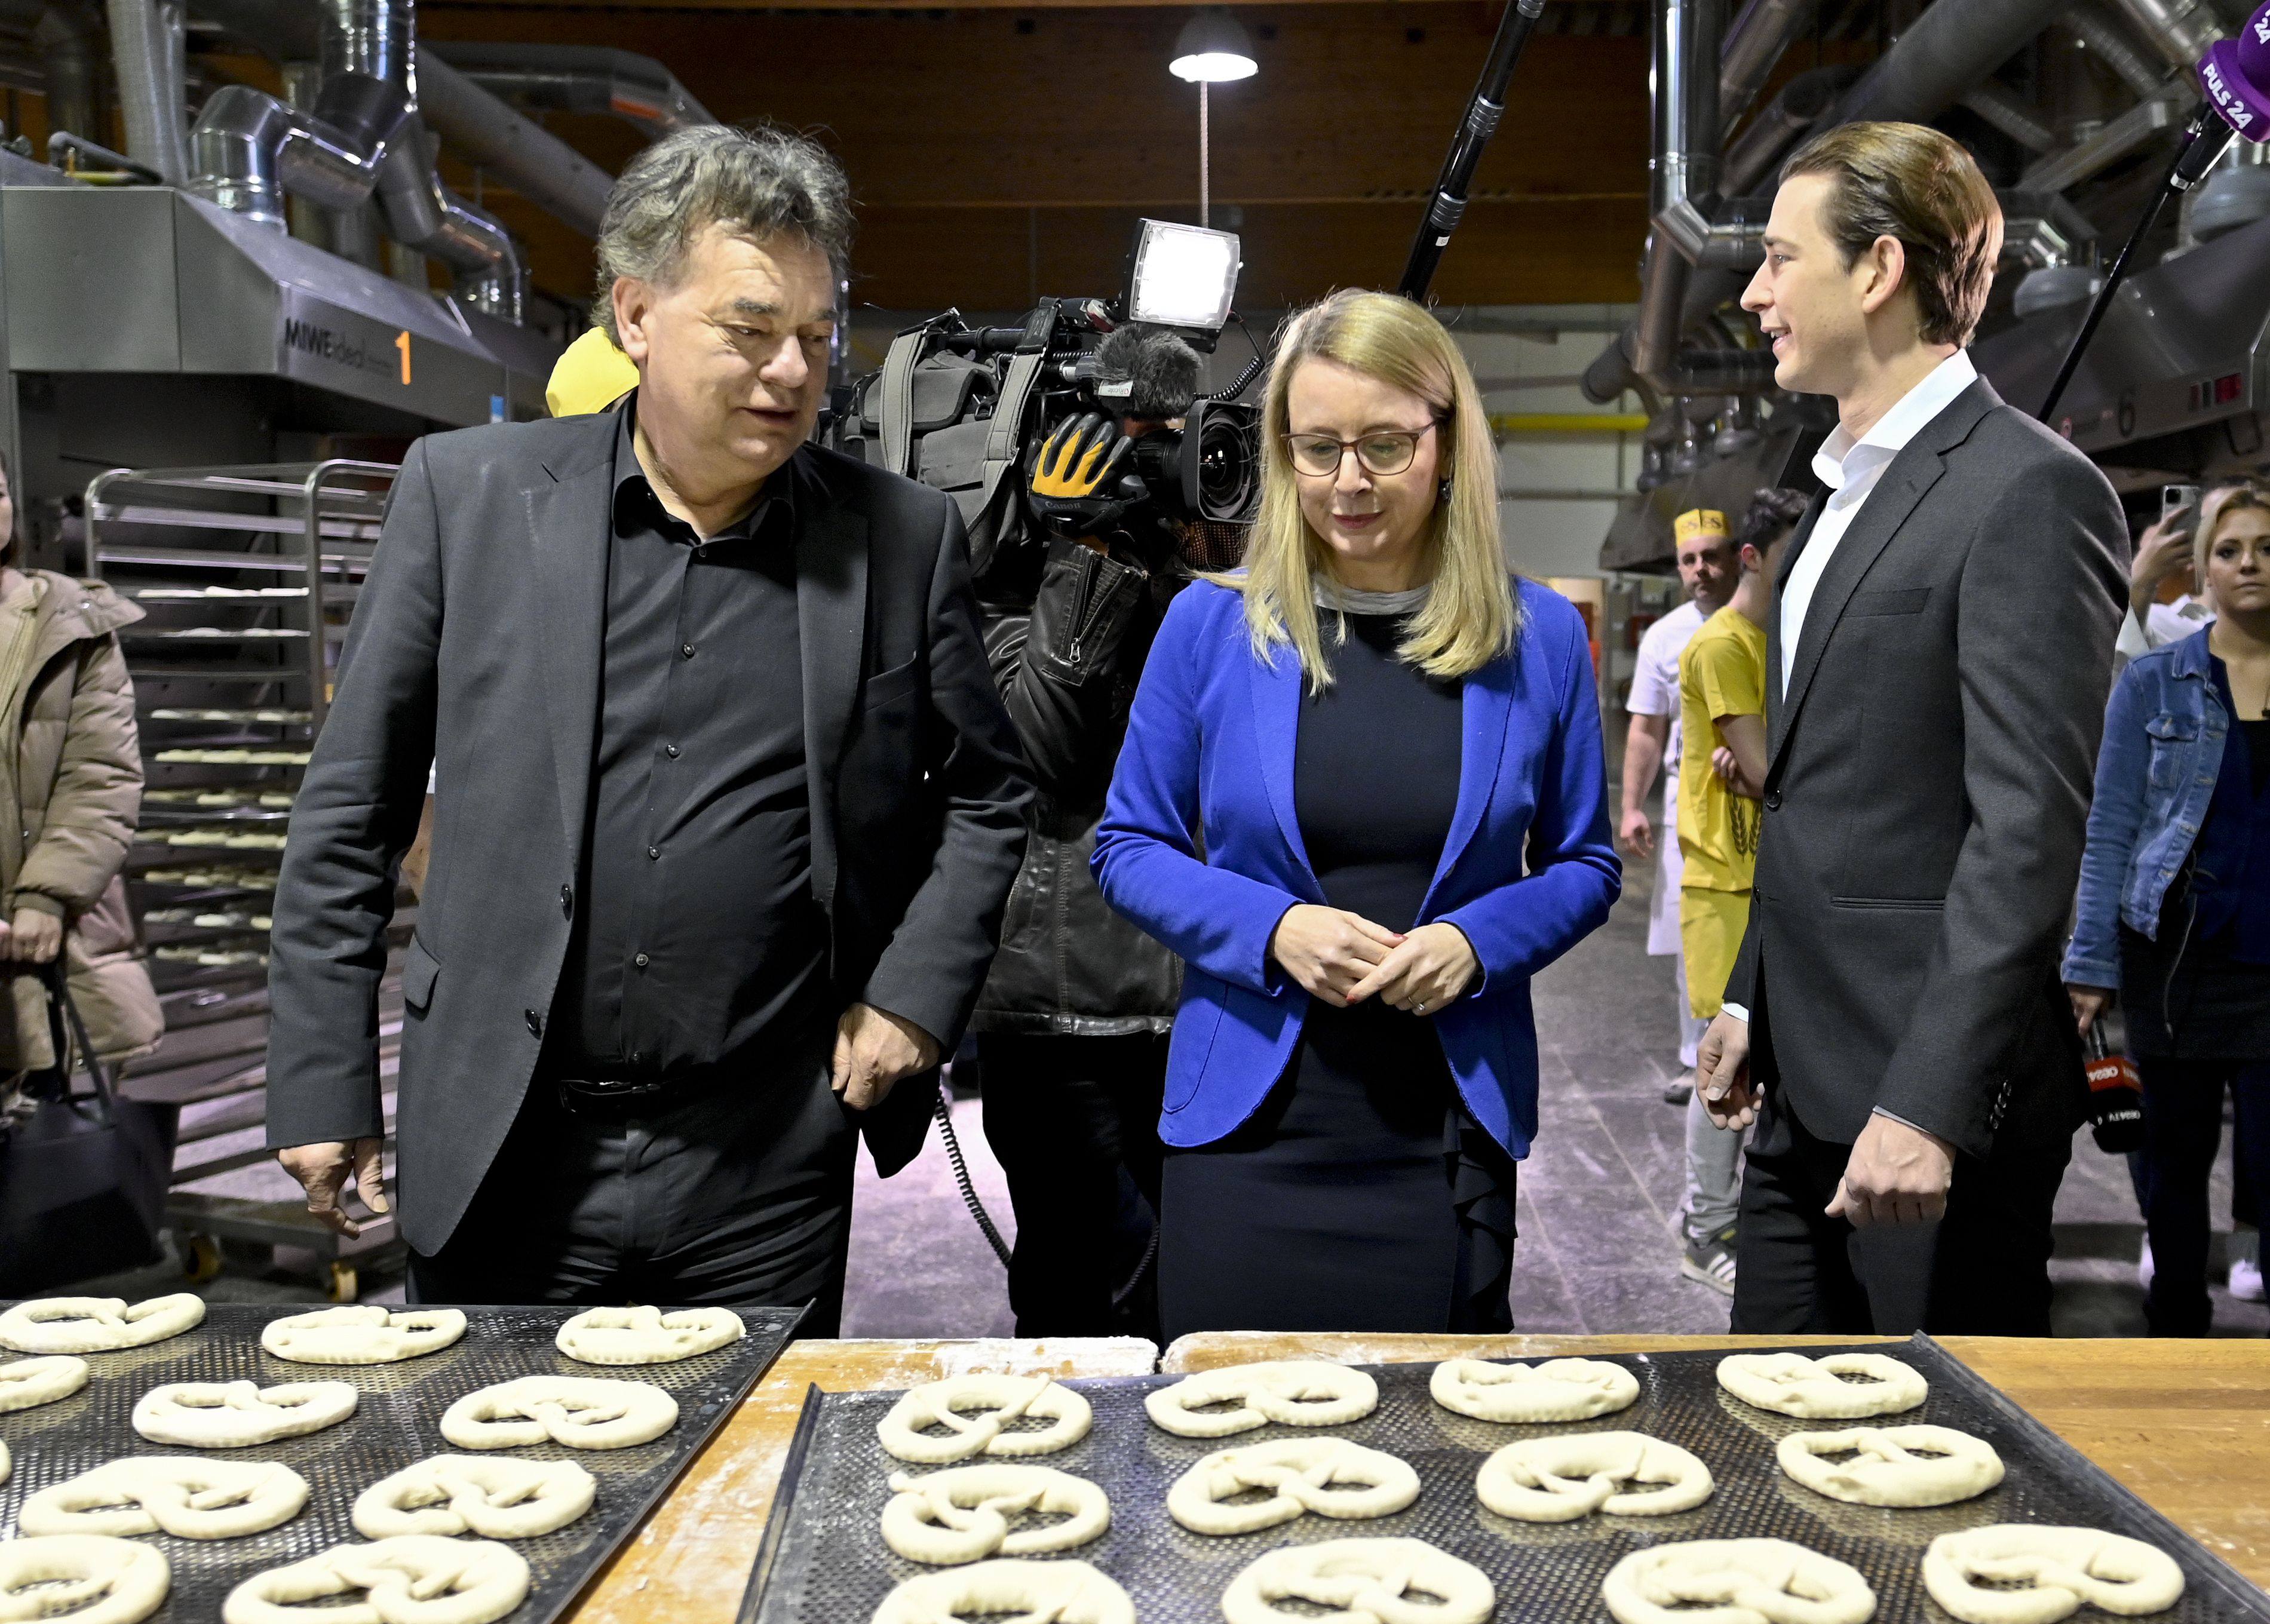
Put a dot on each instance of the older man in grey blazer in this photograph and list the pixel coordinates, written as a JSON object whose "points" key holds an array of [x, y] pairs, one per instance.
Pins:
{"points": [[728, 805], [1938, 665]]}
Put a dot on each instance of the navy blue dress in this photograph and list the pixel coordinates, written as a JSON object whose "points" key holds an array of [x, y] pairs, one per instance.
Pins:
{"points": [[1360, 1195]]}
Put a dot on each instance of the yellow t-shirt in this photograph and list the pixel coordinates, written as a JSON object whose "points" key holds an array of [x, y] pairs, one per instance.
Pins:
{"points": [[1722, 672]]}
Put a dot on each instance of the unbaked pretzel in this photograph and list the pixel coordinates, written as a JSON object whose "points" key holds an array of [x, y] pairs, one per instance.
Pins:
{"points": [[1559, 1390], [2064, 1566], [1905, 1466], [646, 1336], [185, 1496], [1814, 1390], [962, 1515], [1738, 1582], [1064, 1592], [82, 1579], [977, 1409], [416, 1579], [6, 1464], [580, 1411], [495, 1496], [29, 1382], [1365, 1582], [235, 1415], [1331, 1477], [1560, 1480], [97, 1325], [361, 1333], [1296, 1393]]}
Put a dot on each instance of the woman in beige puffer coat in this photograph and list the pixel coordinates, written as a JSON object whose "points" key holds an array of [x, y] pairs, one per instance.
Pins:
{"points": [[71, 771]]}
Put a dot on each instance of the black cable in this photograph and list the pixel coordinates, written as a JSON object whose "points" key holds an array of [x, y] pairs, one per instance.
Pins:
{"points": [[2204, 139], [1252, 368], [961, 1177]]}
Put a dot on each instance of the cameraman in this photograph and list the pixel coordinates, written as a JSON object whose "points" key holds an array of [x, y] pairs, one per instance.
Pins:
{"points": [[1073, 1023]]}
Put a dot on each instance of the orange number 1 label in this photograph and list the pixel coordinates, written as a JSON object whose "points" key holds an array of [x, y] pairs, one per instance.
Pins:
{"points": [[401, 343]]}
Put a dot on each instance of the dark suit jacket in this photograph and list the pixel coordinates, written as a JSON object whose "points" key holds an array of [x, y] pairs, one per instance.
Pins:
{"points": [[477, 646], [1928, 783]]}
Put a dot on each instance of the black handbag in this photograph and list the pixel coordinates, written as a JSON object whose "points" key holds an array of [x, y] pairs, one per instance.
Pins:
{"points": [[83, 1177]]}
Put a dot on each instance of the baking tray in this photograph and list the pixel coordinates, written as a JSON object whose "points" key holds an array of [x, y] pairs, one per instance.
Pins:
{"points": [[823, 1557], [395, 1423]]}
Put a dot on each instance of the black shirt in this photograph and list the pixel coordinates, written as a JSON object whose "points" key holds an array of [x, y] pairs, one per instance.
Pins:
{"points": [[696, 934]]}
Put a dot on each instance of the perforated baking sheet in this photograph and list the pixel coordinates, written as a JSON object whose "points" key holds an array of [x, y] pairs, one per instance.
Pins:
{"points": [[823, 1557], [395, 1423]]}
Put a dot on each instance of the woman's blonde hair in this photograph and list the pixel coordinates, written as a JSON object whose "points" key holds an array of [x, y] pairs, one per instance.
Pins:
{"points": [[2237, 497], [1471, 616]]}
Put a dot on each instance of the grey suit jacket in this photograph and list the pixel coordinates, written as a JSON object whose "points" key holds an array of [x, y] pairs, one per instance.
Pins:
{"points": [[477, 646], [1927, 785]]}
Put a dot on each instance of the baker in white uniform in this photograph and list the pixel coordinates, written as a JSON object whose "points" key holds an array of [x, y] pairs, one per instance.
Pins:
{"points": [[1708, 569]]}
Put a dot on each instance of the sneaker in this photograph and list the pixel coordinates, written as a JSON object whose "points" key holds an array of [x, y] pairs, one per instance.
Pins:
{"points": [[2144, 1265], [1679, 1089], [2246, 1266], [1711, 1261]]}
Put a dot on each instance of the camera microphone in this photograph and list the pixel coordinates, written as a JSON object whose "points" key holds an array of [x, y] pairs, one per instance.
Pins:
{"points": [[1145, 372]]}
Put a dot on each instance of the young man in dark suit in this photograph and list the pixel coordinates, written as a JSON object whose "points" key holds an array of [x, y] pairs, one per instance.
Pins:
{"points": [[728, 804], [1938, 663]]}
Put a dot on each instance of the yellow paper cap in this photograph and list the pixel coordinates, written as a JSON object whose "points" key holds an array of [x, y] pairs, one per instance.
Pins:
{"points": [[590, 376], [1689, 526]]}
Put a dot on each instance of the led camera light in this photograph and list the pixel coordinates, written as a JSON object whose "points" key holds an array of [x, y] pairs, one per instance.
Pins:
{"points": [[1183, 276]]}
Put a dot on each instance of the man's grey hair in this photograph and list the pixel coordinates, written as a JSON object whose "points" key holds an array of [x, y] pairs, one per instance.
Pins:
{"points": [[757, 181]]}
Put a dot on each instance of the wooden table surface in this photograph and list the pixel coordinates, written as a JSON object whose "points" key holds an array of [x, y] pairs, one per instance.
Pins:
{"points": [[2186, 1425]]}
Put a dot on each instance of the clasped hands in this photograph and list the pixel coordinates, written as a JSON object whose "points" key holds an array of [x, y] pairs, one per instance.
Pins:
{"points": [[1343, 959], [1897, 1174]]}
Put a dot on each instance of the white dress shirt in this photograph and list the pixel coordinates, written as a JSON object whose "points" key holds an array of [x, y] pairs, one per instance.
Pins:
{"points": [[1851, 469]]}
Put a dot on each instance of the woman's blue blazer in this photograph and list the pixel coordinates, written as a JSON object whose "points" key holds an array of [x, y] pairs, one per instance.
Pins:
{"points": [[1527, 871]]}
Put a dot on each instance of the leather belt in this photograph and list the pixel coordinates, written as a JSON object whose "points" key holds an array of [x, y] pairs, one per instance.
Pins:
{"points": [[616, 1097]]}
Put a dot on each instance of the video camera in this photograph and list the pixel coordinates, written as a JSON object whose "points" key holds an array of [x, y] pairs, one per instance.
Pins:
{"points": [[967, 409]]}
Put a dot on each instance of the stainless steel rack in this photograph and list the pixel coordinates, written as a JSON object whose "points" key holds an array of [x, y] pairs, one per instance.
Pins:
{"points": [[249, 576]]}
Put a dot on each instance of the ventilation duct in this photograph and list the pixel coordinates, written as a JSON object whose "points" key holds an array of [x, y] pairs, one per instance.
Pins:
{"points": [[362, 136], [534, 162], [1949, 49], [1755, 42], [2011, 113], [2179, 30], [146, 39], [70, 58], [578, 78], [2110, 42]]}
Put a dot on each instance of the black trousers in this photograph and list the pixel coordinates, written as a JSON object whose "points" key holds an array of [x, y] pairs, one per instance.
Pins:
{"points": [[1982, 1270], [739, 1196], [1074, 1123], [2183, 1130]]}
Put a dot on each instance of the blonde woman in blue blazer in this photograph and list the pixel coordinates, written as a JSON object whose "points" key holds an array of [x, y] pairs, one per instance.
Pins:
{"points": [[1363, 794]]}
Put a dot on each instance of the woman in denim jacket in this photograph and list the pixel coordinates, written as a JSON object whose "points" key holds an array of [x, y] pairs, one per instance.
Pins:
{"points": [[2175, 897]]}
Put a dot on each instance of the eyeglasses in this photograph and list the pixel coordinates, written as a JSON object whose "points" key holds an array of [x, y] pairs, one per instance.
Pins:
{"points": [[1389, 451]]}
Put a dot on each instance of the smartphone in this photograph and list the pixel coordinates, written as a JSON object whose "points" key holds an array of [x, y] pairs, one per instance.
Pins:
{"points": [[2176, 498]]}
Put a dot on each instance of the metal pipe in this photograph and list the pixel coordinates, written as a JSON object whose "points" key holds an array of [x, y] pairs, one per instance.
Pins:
{"points": [[582, 78], [2111, 42], [424, 214], [2011, 113], [534, 162], [1793, 111], [1755, 40], [1950, 48], [70, 56], [2179, 30], [146, 42], [1684, 182]]}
